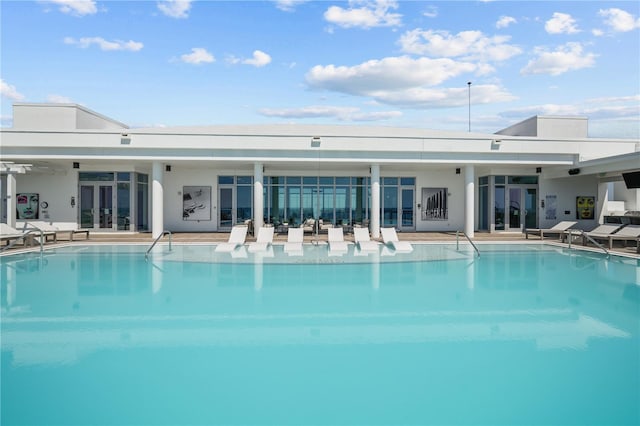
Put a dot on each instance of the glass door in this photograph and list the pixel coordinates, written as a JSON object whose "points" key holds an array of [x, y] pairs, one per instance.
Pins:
{"points": [[515, 208], [105, 207], [96, 206], [407, 203], [225, 211], [87, 209], [522, 208], [390, 206], [531, 212]]}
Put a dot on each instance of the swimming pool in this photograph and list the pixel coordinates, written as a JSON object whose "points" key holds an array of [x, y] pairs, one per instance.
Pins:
{"points": [[525, 334]]}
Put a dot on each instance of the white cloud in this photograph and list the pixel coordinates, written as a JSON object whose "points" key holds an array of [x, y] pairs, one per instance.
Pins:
{"points": [[431, 12], [597, 32], [427, 98], [289, 5], [198, 55], [175, 8], [75, 7], [567, 57], [59, 99], [259, 59], [405, 81], [370, 14], [561, 23], [468, 45], [619, 20], [391, 73], [86, 42], [8, 91], [505, 21], [376, 116], [320, 111]]}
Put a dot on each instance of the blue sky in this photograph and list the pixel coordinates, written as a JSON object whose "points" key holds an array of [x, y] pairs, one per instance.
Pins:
{"points": [[387, 63]]}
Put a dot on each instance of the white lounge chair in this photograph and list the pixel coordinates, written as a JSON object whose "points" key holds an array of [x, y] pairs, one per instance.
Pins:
{"points": [[236, 238], [337, 244], [39, 228], [9, 234], [50, 229], [263, 240], [363, 240], [601, 232], [390, 237], [295, 237], [626, 233], [560, 229]]}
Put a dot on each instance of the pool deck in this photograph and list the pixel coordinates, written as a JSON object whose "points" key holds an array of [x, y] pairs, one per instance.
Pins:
{"points": [[629, 250]]}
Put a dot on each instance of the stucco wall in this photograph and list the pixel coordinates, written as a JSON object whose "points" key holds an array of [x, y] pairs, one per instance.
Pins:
{"points": [[454, 183], [173, 183], [57, 190], [566, 190]]}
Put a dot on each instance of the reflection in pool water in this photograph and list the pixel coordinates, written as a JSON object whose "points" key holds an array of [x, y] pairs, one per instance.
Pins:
{"points": [[524, 334]]}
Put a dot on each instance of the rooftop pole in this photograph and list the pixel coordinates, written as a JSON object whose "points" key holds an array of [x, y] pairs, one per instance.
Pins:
{"points": [[469, 84]]}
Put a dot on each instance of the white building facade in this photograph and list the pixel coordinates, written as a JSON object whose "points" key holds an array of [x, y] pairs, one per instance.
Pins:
{"points": [[68, 165]]}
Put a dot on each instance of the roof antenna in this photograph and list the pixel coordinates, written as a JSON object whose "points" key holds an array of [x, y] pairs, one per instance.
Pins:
{"points": [[469, 84]]}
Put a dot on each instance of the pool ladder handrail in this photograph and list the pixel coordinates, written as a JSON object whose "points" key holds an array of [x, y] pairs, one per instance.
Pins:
{"points": [[30, 231], [165, 232], [588, 237], [468, 239]]}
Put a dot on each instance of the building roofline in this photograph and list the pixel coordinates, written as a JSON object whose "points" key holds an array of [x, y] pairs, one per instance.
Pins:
{"points": [[71, 105]]}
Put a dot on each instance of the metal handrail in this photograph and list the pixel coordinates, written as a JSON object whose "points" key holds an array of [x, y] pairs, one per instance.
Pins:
{"points": [[588, 237], [30, 231], [146, 255], [468, 239]]}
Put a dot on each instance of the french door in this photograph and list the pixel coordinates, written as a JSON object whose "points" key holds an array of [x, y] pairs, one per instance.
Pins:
{"points": [[407, 201], [225, 210], [96, 206], [522, 208], [397, 207]]}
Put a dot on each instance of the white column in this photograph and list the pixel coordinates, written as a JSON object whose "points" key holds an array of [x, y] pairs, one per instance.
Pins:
{"points": [[602, 201], [11, 200], [611, 196], [469, 200], [157, 197], [375, 201], [258, 200]]}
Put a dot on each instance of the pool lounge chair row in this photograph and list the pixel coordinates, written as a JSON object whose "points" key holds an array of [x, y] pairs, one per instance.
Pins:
{"points": [[560, 230], [614, 232], [606, 232], [11, 236], [50, 229], [295, 237], [29, 233]]}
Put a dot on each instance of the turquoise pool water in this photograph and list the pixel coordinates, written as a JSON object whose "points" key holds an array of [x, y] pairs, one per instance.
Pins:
{"points": [[525, 334]]}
